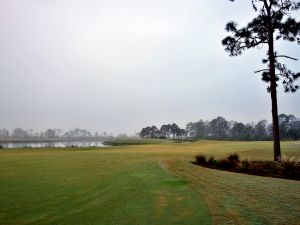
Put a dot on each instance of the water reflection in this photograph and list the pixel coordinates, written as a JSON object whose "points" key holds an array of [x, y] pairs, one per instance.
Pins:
{"points": [[53, 144]]}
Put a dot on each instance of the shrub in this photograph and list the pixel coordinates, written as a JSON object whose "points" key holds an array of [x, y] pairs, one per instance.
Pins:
{"points": [[201, 159], [287, 168], [231, 162], [233, 157], [272, 167], [291, 166], [1, 146], [211, 161], [257, 168], [246, 165], [225, 164], [262, 167]]}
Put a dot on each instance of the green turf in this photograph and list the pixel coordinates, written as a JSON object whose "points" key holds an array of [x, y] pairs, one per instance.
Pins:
{"points": [[145, 184]]}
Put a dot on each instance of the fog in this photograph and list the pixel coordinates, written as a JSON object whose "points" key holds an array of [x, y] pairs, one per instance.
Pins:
{"points": [[120, 65]]}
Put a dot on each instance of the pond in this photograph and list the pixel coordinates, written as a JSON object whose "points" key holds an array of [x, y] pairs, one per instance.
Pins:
{"points": [[52, 144]]}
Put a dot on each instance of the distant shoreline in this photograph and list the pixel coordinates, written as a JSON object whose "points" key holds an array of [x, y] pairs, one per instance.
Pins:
{"points": [[36, 140]]}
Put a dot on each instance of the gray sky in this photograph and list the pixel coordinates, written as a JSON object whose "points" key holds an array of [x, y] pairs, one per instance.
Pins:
{"points": [[119, 65]]}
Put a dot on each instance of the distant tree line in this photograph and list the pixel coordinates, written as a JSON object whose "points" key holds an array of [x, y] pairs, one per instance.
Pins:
{"points": [[221, 129], [51, 134], [166, 131]]}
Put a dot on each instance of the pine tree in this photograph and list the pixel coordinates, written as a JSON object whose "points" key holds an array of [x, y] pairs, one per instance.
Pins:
{"points": [[272, 23]]}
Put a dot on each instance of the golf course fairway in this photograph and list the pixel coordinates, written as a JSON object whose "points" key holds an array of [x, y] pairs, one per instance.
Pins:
{"points": [[143, 184]]}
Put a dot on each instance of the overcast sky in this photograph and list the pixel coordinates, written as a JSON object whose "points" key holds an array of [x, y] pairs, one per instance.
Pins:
{"points": [[119, 65]]}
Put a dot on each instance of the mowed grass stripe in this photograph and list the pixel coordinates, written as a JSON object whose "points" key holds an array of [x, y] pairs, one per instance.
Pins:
{"points": [[242, 199], [93, 187]]}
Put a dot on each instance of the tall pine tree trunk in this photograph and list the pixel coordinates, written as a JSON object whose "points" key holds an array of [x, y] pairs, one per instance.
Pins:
{"points": [[276, 136]]}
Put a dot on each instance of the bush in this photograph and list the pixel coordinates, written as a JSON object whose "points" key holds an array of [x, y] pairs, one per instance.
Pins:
{"points": [[291, 166], [258, 168], [1, 146], [230, 162], [200, 159], [287, 168], [225, 164], [261, 167], [233, 157], [246, 165], [211, 161], [272, 167]]}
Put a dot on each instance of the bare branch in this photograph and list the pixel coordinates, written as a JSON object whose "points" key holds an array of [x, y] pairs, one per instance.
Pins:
{"points": [[258, 71], [285, 56]]}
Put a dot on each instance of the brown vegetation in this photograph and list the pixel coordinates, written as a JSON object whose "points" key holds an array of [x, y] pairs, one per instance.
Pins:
{"points": [[287, 168]]}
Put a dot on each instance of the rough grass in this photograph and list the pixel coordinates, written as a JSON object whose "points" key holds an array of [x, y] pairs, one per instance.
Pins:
{"points": [[144, 184]]}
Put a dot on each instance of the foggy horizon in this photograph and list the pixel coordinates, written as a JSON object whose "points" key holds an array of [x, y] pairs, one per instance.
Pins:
{"points": [[118, 66], [134, 133]]}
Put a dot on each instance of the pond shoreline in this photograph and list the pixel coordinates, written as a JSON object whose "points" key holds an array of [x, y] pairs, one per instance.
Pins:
{"points": [[51, 144]]}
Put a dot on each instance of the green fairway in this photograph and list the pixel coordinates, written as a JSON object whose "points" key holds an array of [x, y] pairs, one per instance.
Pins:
{"points": [[143, 184]]}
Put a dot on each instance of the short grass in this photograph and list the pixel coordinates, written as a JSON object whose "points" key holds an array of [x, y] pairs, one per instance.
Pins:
{"points": [[143, 184]]}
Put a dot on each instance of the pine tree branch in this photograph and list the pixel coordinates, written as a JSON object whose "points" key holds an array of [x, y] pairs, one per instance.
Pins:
{"points": [[258, 71], [283, 7], [266, 5], [285, 56]]}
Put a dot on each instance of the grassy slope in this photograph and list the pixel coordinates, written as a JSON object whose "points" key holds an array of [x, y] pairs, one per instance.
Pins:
{"points": [[150, 184]]}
